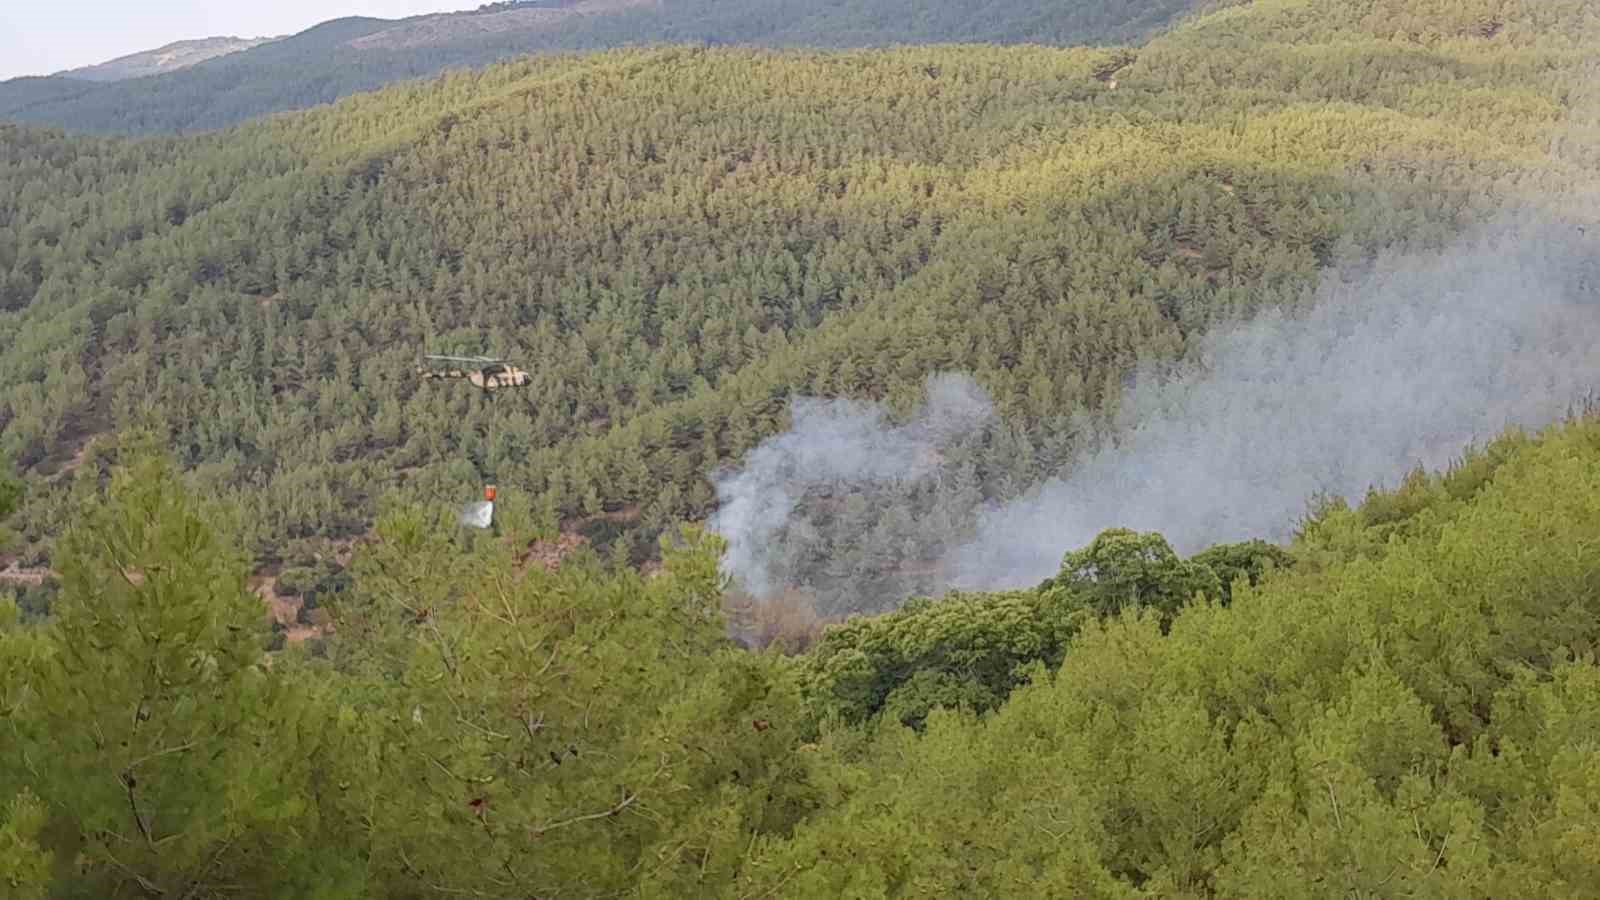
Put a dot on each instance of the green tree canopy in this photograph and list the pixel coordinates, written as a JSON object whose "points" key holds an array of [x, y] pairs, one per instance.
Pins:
{"points": [[1249, 560], [10, 489], [10, 499], [1124, 569]]}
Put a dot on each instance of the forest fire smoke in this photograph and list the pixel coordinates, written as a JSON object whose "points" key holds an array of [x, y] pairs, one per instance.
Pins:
{"points": [[834, 448], [1403, 361]]}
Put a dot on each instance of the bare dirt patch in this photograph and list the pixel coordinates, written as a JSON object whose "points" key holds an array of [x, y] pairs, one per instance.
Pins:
{"points": [[76, 461], [550, 554], [284, 609], [13, 573], [344, 549]]}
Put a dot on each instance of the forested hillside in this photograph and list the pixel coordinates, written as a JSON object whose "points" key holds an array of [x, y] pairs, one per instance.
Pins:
{"points": [[1401, 704], [208, 388], [676, 242], [345, 56]]}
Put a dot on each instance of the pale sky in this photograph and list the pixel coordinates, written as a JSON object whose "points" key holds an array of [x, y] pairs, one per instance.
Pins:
{"points": [[39, 37]]}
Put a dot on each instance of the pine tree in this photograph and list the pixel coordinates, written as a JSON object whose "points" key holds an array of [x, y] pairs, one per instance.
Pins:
{"points": [[150, 718]]}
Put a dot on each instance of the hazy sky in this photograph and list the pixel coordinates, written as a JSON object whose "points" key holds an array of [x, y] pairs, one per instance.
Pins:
{"points": [[38, 37]]}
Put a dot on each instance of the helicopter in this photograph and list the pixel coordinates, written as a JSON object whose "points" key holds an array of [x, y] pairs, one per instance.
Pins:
{"points": [[487, 373]]}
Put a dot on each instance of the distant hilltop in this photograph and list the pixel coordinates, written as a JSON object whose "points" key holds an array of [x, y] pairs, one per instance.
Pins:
{"points": [[353, 54], [507, 20], [170, 58]]}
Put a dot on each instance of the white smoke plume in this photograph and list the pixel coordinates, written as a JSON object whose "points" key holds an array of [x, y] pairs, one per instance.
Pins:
{"points": [[834, 448], [1405, 362], [1404, 365]]}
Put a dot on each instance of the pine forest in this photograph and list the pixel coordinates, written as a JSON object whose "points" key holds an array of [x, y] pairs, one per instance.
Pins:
{"points": [[812, 299]]}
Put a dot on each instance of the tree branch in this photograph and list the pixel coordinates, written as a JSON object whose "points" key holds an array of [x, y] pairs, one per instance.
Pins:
{"points": [[627, 801], [444, 648], [775, 888], [181, 748], [146, 884], [128, 783], [1338, 821], [533, 727], [195, 885]]}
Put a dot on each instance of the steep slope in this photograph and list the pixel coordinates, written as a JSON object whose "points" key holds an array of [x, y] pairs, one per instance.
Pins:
{"points": [[1406, 705], [676, 242], [170, 58], [21, 93], [350, 55], [1413, 718], [1402, 702]]}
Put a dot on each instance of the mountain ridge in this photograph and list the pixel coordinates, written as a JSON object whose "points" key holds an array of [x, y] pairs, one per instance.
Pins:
{"points": [[167, 58], [443, 28], [351, 55]]}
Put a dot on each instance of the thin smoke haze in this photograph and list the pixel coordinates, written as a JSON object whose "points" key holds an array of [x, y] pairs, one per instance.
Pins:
{"points": [[1404, 362], [834, 447], [1404, 365]]}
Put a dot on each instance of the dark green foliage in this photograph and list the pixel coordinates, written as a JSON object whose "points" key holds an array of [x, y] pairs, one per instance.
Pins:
{"points": [[676, 242], [963, 650], [1250, 560], [928, 689], [35, 601], [1425, 717], [603, 533], [1424, 720], [10, 490], [891, 22], [154, 647], [970, 651], [10, 498], [1123, 569], [472, 725], [317, 585]]}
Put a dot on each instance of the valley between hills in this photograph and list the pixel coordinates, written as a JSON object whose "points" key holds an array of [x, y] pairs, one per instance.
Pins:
{"points": [[1101, 450]]}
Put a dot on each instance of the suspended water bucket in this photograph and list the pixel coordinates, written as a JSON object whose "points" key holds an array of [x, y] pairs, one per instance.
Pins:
{"points": [[478, 515]]}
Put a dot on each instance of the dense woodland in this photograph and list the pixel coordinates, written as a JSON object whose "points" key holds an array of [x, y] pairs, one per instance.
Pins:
{"points": [[208, 372], [1399, 704], [344, 56], [678, 241]]}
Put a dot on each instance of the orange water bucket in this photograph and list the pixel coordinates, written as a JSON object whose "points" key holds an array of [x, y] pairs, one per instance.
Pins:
{"points": [[488, 493]]}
